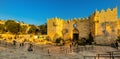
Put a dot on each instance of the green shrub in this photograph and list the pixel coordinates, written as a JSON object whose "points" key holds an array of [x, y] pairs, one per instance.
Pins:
{"points": [[90, 39], [59, 41]]}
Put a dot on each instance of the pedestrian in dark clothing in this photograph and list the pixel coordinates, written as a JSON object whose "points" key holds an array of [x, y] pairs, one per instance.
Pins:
{"points": [[48, 52], [14, 42], [116, 44], [30, 47], [22, 43], [70, 46]]}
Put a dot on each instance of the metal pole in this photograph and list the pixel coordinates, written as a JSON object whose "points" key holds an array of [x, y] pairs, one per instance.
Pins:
{"points": [[98, 56], [112, 55], [84, 57]]}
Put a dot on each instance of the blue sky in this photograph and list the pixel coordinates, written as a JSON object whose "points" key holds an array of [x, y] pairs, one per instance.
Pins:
{"points": [[38, 11]]}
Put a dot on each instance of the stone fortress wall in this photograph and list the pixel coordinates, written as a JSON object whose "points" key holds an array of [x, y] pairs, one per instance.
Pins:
{"points": [[101, 24], [64, 28]]}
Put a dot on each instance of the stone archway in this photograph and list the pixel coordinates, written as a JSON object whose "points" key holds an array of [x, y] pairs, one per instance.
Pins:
{"points": [[75, 35]]}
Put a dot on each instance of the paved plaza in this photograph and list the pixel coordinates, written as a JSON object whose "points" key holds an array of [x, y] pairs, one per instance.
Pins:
{"points": [[53, 52]]}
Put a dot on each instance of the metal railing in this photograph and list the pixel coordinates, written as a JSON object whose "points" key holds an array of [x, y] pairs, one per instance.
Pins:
{"points": [[109, 55]]}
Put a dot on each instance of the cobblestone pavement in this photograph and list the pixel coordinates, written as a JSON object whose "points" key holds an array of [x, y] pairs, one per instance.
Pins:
{"points": [[51, 52]]}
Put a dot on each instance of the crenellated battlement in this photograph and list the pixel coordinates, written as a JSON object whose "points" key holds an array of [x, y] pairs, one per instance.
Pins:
{"points": [[92, 24], [56, 19], [108, 14], [106, 11]]}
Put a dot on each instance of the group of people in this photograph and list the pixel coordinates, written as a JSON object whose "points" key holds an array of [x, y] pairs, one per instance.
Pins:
{"points": [[14, 43]]}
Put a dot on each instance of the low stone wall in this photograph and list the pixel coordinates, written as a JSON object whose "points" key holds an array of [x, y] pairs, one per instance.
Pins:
{"points": [[104, 40]]}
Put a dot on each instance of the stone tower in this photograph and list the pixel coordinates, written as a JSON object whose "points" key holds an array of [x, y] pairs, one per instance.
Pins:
{"points": [[104, 24], [55, 26]]}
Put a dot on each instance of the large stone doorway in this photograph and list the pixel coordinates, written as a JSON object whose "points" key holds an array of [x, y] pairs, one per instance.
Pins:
{"points": [[75, 35]]}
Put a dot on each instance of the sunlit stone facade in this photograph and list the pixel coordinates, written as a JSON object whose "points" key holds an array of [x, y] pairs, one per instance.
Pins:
{"points": [[102, 25]]}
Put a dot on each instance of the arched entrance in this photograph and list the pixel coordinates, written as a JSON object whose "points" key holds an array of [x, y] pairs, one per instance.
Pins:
{"points": [[75, 35]]}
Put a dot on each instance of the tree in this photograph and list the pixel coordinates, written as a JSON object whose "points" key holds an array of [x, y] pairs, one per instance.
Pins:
{"points": [[2, 28], [32, 29], [90, 39], [59, 41], [43, 28], [23, 29], [12, 26]]}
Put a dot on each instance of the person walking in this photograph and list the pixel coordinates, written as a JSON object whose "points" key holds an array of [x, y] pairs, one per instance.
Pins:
{"points": [[116, 44], [48, 52], [30, 47], [14, 42], [22, 43]]}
